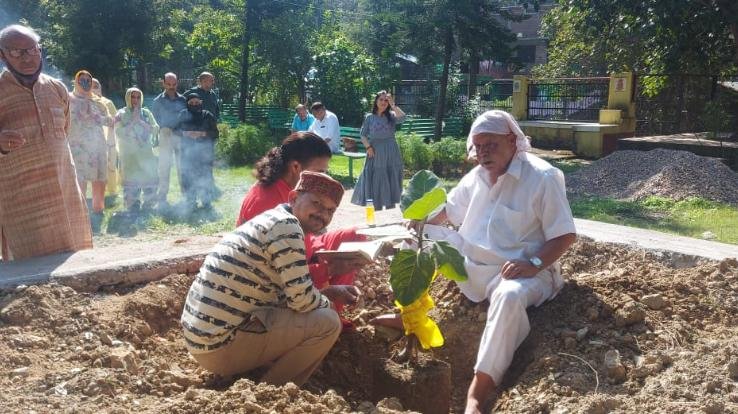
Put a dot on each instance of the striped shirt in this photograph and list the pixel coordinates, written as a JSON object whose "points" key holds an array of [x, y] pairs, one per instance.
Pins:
{"points": [[259, 265]]}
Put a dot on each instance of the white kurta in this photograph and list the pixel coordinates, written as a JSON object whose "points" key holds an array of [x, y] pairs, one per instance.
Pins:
{"points": [[510, 220], [328, 128]]}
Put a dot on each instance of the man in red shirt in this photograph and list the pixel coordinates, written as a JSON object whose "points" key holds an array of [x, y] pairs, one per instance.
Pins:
{"points": [[277, 174]]}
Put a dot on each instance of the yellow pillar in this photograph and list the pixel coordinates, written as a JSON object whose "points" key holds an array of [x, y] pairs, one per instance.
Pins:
{"points": [[622, 97], [621, 93], [520, 98]]}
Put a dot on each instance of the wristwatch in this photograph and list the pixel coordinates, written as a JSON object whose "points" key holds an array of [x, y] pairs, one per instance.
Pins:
{"points": [[537, 262]]}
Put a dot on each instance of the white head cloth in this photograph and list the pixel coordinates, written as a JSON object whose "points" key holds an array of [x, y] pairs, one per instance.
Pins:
{"points": [[497, 122]]}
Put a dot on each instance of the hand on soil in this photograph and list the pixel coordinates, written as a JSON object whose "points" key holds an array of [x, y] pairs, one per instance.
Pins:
{"points": [[346, 294], [390, 320]]}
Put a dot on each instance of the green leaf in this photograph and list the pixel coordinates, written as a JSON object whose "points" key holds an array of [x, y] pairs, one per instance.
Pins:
{"points": [[449, 262], [422, 207], [410, 275], [422, 182]]}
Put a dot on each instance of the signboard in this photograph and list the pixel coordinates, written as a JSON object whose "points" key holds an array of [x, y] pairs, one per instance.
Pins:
{"points": [[620, 84]]}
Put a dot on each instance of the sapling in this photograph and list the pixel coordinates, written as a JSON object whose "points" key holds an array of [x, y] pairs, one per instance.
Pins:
{"points": [[412, 271]]}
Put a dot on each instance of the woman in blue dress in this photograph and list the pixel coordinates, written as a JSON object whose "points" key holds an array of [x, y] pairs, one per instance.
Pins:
{"points": [[381, 179]]}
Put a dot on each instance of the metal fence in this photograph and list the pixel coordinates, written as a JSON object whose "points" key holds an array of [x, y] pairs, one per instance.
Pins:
{"points": [[677, 103], [416, 96], [496, 94], [420, 97], [567, 99]]}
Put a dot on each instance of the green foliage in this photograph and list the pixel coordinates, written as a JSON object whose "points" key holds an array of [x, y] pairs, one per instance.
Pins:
{"points": [[449, 261], [421, 184], [448, 157], [411, 272], [243, 144], [589, 38], [416, 154], [425, 205], [345, 76], [213, 44]]}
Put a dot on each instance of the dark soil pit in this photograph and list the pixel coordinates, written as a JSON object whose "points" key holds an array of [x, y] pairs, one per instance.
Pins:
{"points": [[631, 332]]}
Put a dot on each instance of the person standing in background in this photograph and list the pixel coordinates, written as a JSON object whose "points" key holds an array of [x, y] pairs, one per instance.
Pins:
{"points": [[209, 102], [204, 89], [166, 108], [199, 130], [113, 178], [87, 142], [42, 210], [137, 130], [381, 179]]}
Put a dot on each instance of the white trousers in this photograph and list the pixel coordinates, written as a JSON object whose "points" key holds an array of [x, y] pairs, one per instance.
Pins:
{"points": [[507, 322]]}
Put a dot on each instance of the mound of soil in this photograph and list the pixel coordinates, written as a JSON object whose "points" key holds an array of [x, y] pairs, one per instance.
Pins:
{"points": [[631, 175], [630, 332]]}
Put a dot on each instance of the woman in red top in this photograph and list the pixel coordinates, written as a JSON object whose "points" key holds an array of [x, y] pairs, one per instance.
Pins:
{"points": [[277, 173]]}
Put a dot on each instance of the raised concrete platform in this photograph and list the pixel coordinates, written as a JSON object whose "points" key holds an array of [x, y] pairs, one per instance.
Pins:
{"points": [[573, 125], [115, 265], [136, 263]]}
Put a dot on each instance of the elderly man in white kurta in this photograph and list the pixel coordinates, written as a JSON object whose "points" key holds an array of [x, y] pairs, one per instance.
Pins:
{"points": [[515, 222]]}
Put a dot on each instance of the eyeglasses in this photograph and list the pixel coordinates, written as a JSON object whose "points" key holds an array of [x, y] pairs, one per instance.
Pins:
{"points": [[18, 53]]}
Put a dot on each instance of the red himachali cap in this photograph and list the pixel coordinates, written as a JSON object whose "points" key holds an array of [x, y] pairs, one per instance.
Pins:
{"points": [[319, 183]]}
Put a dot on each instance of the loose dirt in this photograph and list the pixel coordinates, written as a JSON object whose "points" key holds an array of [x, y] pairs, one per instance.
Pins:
{"points": [[628, 333], [673, 174]]}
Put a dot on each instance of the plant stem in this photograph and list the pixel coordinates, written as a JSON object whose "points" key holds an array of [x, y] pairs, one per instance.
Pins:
{"points": [[420, 234]]}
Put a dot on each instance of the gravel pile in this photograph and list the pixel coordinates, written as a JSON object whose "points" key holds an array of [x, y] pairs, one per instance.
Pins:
{"points": [[632, 175]]}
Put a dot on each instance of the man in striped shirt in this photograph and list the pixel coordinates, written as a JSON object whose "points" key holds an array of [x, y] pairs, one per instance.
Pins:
{"points": [[253, 302]]}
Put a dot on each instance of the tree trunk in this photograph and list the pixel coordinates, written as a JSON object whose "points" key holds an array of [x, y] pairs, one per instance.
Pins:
{"points": [[734, 30], [473, 72], [301, 93], [443, 87], [244, 85]]}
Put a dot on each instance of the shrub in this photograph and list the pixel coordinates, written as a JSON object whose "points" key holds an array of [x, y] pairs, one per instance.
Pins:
{"points": [[244, 144], [449, 157], [416, 154]]}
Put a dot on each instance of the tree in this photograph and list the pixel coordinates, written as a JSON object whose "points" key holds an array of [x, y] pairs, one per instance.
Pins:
{"points": [[105, 37], [256, 11], [448, 27], [345, 75], [678, 36], [214, 44]]}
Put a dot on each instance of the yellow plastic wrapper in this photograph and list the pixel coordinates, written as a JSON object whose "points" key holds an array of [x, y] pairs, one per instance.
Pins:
{"points": [[416, 321]]}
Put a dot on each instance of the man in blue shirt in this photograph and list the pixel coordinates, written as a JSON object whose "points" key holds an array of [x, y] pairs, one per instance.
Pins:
{"points": [[166, 108], [302, 119]]}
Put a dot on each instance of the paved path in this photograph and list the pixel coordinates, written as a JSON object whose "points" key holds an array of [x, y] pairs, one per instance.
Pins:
{"points": [[135, 263]]}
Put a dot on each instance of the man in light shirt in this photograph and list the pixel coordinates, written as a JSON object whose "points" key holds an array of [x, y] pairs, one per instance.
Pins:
{"points": [[515, 223], [166, 108], [326, 126]]}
